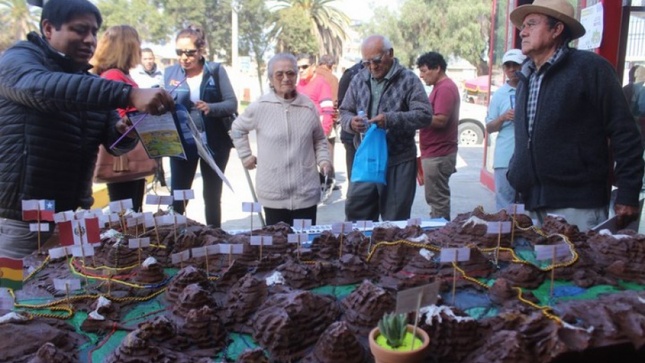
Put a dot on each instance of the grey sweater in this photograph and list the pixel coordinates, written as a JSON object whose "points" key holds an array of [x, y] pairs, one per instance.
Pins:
{"points": [[291, 145], [404, 103]]}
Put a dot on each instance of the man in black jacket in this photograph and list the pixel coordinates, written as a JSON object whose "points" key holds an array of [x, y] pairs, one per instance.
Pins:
{"points": [[573, 126], [53, 117]]}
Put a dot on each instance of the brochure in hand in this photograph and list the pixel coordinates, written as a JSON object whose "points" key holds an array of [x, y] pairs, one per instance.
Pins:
{"points": [[159, 135]]}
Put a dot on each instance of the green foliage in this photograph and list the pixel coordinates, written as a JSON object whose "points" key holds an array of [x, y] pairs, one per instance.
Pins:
{"points": [[214, 16], [293, 33], [17, 20], [310, 26], [150, 22], [256, 23], [450, 27], [393, 327]]}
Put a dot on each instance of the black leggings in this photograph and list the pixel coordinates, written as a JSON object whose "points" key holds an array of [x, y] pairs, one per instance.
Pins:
{"points": [[274, 216]]}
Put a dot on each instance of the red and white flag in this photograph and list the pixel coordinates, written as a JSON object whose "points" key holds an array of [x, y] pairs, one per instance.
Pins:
{"points": [[38, 210], [80, 231]]}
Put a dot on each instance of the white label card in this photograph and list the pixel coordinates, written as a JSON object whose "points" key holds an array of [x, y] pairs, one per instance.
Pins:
{"points": [[212, 249], [135, 243], [85, 250], [515, 209], [454, 255], [199, 252], [64, 284], [185, 194], [341, 227], [39, 227], [120, 206], [261, 240], [64, 216], [180, 257], [408, 300], [58, 252], [250, 207], [297, 237], [498, 227], [414, 222], [233, 249], [301, 224], [363, 225], [546, 252]]}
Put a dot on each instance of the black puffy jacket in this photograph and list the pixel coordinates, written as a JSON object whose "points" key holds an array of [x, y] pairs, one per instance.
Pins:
{"points": [[53, 116]]}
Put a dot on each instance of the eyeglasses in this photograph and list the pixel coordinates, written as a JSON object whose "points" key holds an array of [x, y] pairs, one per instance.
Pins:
{"points": [[303, 67], [187, 52], [280, 74], [530, 24], [376, 61]]}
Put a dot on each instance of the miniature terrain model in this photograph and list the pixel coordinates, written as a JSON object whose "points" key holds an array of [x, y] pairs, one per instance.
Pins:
{"points": [[188, 293]]}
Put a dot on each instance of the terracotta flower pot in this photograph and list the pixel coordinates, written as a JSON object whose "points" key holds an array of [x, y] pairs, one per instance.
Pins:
{"points": [[384, 355]]}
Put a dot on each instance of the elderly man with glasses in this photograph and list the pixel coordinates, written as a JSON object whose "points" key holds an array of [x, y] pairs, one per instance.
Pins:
{"points": [[574, 131], [393, 98]]}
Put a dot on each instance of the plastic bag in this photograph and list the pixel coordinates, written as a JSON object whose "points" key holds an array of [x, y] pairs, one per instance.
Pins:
{"points": [[370, 161]]}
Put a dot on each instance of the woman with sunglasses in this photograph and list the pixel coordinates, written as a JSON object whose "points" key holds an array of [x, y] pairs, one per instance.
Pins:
{"points": [[205, 90], [291, 146]]}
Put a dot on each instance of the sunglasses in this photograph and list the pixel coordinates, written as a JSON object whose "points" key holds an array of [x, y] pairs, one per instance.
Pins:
{"points": [[187, 52], [303, 67], [376, 61]]}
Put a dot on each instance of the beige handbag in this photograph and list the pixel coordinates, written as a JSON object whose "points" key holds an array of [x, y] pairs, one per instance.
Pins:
{"points": [[131, 166]]}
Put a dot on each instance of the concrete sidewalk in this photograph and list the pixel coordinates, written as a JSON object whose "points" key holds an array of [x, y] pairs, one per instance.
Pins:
{"points": [[467, 192]]}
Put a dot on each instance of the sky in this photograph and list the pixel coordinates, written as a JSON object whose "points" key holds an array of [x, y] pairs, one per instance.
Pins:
{"points": [[362, 9]]}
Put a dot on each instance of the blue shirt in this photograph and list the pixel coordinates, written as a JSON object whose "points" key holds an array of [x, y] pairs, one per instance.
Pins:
{"points": [[505, 143]]}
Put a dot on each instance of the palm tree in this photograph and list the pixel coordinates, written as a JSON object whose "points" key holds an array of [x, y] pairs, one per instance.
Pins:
{"points": [[327, 24], [18, 19]]}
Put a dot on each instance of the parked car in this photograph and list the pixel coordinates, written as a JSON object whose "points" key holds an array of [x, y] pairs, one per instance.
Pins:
{"points": [[472, 124]]}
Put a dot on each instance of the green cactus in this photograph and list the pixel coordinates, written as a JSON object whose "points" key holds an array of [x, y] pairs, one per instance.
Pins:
{"points": [[393, 327]]}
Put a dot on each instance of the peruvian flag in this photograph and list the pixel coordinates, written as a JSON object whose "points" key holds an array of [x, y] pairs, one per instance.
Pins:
{"points": [[80, 231], [38, 210]]}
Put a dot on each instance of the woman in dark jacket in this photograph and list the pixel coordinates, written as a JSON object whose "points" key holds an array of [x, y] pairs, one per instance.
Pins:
{"points": [[208, 95]]}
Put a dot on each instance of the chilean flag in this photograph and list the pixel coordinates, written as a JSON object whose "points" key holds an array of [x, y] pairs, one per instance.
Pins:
{"points": [[38, 210], [80, 231]]}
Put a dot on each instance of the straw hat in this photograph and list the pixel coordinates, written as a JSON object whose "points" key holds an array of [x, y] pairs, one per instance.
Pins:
{"points": [[558, 9]]}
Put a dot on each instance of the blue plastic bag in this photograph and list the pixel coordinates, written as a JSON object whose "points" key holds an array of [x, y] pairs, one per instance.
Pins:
{"points": [[370, 161]]}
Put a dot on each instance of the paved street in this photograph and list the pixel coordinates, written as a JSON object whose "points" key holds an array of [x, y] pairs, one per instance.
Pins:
{"points": [[467, 192]]}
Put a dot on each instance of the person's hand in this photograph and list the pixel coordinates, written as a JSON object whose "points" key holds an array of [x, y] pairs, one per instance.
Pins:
{"points": [[123, 125], [154, 101], [250, 162], [625, 214], [359, 124], [379, 120], [326, 169], [203, 106], [508, 115]]}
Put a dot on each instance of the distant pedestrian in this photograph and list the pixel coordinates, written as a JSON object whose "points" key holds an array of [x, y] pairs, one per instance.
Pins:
{"points": [[500, 119], [345, 137], [147, 74], [438, 141]]}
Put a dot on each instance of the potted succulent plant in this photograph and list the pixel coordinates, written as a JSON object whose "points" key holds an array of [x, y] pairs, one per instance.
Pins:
{"points": [[393, 341]]}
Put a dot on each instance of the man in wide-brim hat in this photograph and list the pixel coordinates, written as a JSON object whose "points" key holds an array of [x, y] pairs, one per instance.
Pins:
{"points": [[571, 117]]}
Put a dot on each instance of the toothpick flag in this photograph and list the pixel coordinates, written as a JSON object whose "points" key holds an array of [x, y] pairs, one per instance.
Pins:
{"points": [[11, 273], [79, 231], [38, 210]]}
